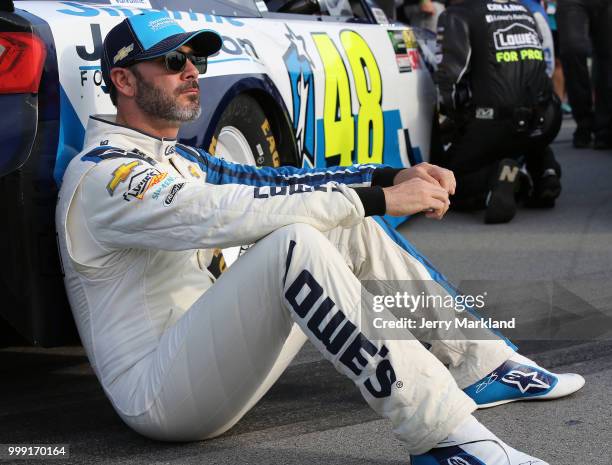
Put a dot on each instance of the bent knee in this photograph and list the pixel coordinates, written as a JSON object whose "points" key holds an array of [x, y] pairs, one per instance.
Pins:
{"points": [[298, 231]]}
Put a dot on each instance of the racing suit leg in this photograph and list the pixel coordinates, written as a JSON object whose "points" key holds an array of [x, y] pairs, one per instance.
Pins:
{"points": [[573, 20], [228, 349], [376, 252]]}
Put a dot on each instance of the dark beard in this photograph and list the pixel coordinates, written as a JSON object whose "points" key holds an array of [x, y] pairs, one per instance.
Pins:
{"points": [[159, 104]]}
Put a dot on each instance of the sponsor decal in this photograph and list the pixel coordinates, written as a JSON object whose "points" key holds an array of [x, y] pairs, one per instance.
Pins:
{"points": [[123, 52], [161, 23], [120, 175], [194, 172], [264, 192], [108, 11], [172, 195], [169, 150], [87, 74], [521, 55], [238, 47], [330, 326], [163, 185], [525, 381], [406, 50], [516, 36], [299, 66], [398, 41], [141, 182], [96, 40], [510, 17], [133, 3], [505, 7], [267, 132], [410, 39]]}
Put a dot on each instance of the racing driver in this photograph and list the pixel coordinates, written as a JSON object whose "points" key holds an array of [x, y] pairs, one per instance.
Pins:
{"points": [[182, 356]]}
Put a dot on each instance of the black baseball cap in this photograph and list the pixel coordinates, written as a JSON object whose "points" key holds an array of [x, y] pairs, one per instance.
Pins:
{"points": [[150, 35]]}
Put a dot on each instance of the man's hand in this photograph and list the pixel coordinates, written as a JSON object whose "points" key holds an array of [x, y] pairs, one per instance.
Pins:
{"points": [[416, 195], [431, 173]]}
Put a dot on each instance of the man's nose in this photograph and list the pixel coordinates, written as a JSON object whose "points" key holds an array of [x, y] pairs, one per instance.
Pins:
{"points": [[190, 71]]}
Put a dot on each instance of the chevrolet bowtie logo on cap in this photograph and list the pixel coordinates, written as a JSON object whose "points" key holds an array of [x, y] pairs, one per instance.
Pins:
{"points": [[122, 53]]}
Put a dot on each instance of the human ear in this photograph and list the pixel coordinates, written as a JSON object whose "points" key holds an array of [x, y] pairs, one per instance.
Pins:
{"points": [[124, 81]]}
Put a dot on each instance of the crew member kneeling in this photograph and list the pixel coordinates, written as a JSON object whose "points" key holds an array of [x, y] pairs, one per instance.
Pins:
{"points": [[494, 89]]}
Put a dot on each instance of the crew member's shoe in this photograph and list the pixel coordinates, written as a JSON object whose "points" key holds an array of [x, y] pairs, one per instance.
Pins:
{"points": [[473, 444], [546, 189], [501, 203], [582, 137], [520, 378]]}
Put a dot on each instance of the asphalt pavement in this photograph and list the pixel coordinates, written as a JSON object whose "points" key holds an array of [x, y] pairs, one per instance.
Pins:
{"points": [[315, 416]]}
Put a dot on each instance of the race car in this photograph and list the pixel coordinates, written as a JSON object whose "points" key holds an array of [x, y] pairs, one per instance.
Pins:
{"points": [[300, 82]]}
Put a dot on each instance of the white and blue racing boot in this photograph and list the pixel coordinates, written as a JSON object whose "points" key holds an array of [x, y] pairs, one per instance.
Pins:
{"points": [[519, 378], [473, 444]]}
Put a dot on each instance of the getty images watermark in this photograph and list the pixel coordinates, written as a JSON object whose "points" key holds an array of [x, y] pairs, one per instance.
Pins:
{"points": [[438, 306], [481, 310]]}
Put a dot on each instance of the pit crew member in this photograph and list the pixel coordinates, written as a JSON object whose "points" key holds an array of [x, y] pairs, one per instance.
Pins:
{"points": [[493, 85]]}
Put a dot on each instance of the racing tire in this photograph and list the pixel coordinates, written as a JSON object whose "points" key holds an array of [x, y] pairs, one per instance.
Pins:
{"points": [[244, 134]]}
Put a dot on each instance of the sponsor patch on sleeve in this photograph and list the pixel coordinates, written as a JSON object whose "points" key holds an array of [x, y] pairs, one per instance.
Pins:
{"points": [[120, 175], [172, 195], [141, 182]]}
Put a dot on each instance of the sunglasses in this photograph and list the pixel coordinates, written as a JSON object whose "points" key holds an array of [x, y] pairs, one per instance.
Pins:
{"points": [[176, 61]]}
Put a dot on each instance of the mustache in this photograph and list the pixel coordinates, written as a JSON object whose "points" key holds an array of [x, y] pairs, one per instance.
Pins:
{"points": [[189, 85]]}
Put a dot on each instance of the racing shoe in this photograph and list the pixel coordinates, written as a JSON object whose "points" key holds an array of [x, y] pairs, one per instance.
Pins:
{"points": [[501, 203], [473, 444], [520, 378]]}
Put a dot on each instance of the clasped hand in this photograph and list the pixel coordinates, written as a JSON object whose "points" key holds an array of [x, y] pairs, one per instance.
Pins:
{"points": [[421, 188]]}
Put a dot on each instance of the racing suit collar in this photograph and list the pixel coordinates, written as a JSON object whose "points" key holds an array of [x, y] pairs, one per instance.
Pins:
{"points": [[104, 130]]}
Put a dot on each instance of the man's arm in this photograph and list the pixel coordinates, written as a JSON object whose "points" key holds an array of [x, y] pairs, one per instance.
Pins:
{"points": [[219, 171], [454, 53], [130, 203], [367, 179], [151, 208]]}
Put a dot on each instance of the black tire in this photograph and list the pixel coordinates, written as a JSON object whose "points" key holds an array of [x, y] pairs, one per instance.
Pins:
{"points": [[246, 114]]}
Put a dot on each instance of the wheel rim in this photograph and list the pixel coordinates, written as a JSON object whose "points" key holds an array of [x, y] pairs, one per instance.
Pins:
{"points": [[233, 146]]}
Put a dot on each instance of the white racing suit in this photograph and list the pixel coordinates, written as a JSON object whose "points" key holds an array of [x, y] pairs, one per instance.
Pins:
{"points": [[183, 356]]}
